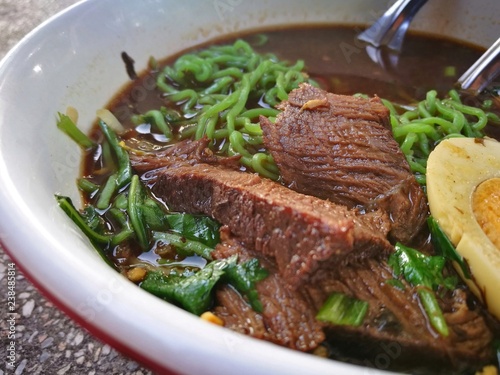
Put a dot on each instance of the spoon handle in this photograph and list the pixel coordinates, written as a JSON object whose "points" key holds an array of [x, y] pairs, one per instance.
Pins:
{"points": [[389, 30], [483, 71]]}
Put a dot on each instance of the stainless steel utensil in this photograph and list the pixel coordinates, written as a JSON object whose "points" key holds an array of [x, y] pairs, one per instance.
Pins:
{"points": [[385, 40], [389, 30], [482, 72]]}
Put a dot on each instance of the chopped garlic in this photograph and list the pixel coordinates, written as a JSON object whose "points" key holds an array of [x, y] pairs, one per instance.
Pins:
{"points": [[136, 274], [110, 120], [314, 103], [212, 318], [72, 113]]}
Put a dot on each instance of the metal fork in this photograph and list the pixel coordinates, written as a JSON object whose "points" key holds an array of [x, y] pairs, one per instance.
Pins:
{"points": [[389, 30]]}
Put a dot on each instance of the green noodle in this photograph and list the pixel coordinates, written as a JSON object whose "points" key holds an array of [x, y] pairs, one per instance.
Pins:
{"points": [[419, 130], [224, 89]]}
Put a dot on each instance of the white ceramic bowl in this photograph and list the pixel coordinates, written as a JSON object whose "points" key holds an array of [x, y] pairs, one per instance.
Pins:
{"points": [[74, 59]]}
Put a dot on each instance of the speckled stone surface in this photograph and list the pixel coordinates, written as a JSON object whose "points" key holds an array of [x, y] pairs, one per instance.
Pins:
{"points": [[47, 341]]}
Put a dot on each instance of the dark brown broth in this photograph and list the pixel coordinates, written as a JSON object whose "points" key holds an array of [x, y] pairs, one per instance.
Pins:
{"points": [[340, 64]]}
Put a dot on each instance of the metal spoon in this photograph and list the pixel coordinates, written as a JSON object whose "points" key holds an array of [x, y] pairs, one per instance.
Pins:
{"points": [[385, 37], [389, 30], [482, 72]]}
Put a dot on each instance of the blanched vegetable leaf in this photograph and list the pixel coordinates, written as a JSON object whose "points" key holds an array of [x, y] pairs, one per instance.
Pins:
{"points": [[343, 310], [196, 227], [418, 268], [244, 276], [92, 218], [99, 240], [196, 234], [426, 274], [193, 293], [124, 172], [145, 213], [444, 245], [154, 216], [136, 197], [67, 206], [184, 245], [70, 129]]}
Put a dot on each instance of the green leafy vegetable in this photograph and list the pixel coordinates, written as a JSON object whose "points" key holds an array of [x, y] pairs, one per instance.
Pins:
{"points": [[153, 214], [343, 310], [425, 273], [70, 129], [121, 201], [160, 119], [244, 276], [396, 283], [444, 245], [141, 216], [98, 240], [81, 221], [184, 245], [195, 227], [145, 213], [93, 219], [193, 293], [87, 186], [124, 172], [117, 180], [107, 192], [136, 198]]}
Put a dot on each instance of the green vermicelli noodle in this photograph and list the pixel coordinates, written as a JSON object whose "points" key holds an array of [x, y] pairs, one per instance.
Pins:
{"points": [[221, 91], [420, 129]]}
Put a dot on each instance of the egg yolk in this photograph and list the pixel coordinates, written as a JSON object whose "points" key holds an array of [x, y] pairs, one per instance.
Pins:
{"points": [[486, 208]]}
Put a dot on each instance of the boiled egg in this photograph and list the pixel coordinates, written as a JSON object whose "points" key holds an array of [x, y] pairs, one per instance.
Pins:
{"points": [[463, 188]]}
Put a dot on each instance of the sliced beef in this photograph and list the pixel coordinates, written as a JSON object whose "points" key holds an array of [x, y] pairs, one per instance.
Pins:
{"points": [[184, 152], [341, 148], [300, 232], [396, 325], [286, 319]]}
